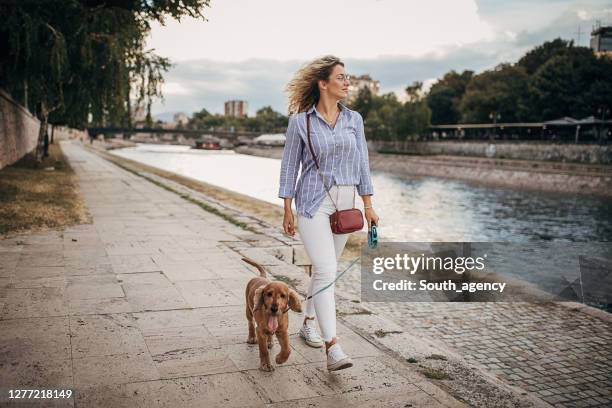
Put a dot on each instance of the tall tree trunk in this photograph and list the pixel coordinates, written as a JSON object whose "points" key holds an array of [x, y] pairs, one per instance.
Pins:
{"points": [[44, 119], [128, 134], [25, 94]]}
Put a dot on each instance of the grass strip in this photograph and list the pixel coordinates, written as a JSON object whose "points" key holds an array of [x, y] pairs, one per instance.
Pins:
{"points": [[40, 196]]}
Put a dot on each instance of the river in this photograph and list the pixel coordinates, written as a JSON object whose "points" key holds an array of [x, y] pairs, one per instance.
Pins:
{"points": [[416, 209]]}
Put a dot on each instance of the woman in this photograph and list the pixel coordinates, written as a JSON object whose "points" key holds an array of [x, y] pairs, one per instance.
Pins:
{"points": [[339, 144]]}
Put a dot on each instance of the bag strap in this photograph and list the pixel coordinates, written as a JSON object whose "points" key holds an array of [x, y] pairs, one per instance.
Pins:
{"points": [[317, 163]]}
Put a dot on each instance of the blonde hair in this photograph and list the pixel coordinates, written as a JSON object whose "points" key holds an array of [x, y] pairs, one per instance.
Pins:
{"points": [[303, 89]]}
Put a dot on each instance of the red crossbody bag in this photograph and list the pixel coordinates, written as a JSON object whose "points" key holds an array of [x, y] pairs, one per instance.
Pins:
{"points": [[341, 221]]}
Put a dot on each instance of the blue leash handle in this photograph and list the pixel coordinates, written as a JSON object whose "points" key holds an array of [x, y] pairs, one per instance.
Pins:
{"points": [[373, 237]]}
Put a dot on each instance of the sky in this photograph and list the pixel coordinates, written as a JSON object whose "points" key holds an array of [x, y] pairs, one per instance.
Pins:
{"points": [[248, 49]]}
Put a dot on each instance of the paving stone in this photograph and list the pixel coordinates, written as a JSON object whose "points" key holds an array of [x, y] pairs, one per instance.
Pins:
{"points": [[103, 335], [99, 306], [93, 287], [133, 263], [36, 374], [34, 302], [91, 254], [286, 383], [246, 356], [77, 268], [37, 339], [194, 361], [227, 390], [167, 319], [207, 293], [151, 291], [8, 262], [283, 253], [113, 369], [374, 399], [46, 258], [185, 270], [227, 323], [33, 272], [52, 282], [170, 339]]}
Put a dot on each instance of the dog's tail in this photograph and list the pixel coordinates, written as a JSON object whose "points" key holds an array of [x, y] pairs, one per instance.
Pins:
{"points": [[262, 271]]}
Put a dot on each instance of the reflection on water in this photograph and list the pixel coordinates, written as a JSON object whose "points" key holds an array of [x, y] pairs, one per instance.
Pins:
{"points": [[429, 209], [417, 209]]}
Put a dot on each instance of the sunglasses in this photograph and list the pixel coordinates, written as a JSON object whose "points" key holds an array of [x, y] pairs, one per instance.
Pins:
{"points": [[373, 237]]}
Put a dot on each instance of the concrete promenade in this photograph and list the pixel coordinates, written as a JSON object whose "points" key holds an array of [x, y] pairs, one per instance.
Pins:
{"points": [[145, 308]]}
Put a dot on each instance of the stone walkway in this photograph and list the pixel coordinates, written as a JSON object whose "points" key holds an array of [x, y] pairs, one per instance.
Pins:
{"points": [[557, 354], [144, 308]]}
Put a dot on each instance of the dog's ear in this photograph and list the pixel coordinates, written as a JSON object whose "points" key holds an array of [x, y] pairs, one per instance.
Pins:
{"points": [[294, 301], [258, 298]]}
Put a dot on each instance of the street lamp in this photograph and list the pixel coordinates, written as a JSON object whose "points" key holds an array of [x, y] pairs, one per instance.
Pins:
{"points": [[602, 111], [495, 116]]}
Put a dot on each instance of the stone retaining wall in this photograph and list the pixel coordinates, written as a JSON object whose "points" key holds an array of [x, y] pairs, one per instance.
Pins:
{"points": [[593, 154], [18, 130]]}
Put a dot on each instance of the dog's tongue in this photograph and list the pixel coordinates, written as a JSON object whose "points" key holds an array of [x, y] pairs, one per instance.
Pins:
{"points": [[272, 323]]}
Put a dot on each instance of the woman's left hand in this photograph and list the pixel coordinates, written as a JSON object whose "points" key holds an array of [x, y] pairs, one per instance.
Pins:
{"points": [[370, 216]]}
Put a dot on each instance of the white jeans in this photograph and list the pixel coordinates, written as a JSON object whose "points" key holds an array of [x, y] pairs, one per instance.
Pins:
{"points": [[324, 249]]}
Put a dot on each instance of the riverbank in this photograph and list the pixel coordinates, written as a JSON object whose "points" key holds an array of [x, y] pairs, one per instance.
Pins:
{"points": [[569, 178], [39, 196]]}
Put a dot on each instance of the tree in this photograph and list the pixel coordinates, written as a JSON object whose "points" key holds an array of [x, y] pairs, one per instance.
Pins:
{"points": [[445, 95], [363, 102], [574, 84], [267, 119], [415, 115], [383, 116], [414, 91], [502, 90], [538, 56], [69, 60]]}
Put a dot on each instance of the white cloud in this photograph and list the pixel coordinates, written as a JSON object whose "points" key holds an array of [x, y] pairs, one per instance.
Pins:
{"points": [[175, 88], [583, 14], [284, 30], [511, 35]]}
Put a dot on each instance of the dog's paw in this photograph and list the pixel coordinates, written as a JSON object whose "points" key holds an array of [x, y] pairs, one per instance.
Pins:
{"points": [[266, 367], [252, 340], [280, 359]]}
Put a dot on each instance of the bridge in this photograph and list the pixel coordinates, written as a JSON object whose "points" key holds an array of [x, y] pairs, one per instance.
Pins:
{"points": [[188, 133]]}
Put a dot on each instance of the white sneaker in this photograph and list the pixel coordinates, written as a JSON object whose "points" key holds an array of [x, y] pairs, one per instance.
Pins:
{"points": [[310, 335], [336, 359]]}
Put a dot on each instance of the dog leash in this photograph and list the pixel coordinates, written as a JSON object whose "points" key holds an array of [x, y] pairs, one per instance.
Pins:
{"points": [[334, 281], [372, 243]]}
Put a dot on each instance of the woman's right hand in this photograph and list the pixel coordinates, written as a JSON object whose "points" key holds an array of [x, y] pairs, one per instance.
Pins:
{"points": [[288, 224]]}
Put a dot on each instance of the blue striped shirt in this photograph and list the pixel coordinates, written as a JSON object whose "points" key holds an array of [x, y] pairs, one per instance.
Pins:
{"points": [[342, 153]]}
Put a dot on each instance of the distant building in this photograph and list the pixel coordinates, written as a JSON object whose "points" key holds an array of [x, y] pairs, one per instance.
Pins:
{"points": [[360, 82], [236, 108], [180, 119], [601, 40]]}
